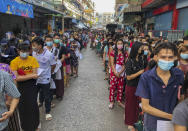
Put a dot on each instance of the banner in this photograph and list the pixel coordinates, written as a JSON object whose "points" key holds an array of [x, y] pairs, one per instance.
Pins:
{"points": [[15, 7]]}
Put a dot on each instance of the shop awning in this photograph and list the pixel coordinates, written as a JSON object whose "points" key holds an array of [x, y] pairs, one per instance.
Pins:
{"points": [[45, 5], [131, 18], [153, 3]]}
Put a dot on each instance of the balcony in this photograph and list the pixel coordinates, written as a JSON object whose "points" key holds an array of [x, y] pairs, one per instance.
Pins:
{"points": [[134, 6]]}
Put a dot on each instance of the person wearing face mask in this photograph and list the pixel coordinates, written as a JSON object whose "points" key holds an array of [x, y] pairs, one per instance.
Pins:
{"points": [[159, 88], [57, 41], [48, 42], [55, 51], [127, 46], [185, 41], [134, 68], [8, 53], [183, 65], [25, 68], [146, 56], [125, 39], [49, 45], [180, 113], [47, 65], [117, 73]]}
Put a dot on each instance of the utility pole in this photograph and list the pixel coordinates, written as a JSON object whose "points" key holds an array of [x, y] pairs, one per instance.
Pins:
{"points": [[63, 22]]}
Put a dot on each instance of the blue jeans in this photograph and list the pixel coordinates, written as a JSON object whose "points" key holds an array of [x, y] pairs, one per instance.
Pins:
{"points": [[44, 95]]}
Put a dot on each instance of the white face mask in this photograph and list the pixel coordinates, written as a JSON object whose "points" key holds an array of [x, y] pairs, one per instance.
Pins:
{"points": [[153, 45]]}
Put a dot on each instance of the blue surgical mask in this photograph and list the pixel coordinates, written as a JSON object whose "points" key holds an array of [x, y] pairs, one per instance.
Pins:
{"points": [[184, 56], [35, 49], [23, 55], [145, 52], [57, 41], [50, 43], [71, 39], [127, 48], [61, 44], [165, 65]]}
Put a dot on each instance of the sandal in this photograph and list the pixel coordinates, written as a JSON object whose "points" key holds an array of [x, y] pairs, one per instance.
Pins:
{"points": [[121, 105], [52, 105], [111, 106], [40, 105], [48, 117]]}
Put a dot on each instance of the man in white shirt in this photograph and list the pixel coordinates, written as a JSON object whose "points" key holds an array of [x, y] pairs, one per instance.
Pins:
{"points": [[47, 64]]}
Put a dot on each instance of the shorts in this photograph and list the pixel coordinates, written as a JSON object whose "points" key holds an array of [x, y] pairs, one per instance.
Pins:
{"points": [[68, 69]]}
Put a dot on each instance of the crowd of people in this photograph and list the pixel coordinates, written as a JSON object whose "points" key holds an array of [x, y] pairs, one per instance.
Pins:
{"points": [[34, 70], [148, 77]]}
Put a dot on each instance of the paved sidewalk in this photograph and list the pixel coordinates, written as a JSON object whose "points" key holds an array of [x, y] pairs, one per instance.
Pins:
{"points": [[85, 104]]}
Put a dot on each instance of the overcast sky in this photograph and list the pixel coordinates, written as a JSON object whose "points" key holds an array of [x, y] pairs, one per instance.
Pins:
{"points": [[104, 5]]}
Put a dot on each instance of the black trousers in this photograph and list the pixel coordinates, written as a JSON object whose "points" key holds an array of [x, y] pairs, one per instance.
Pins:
{"points": [[28, 106], [44, 95], [6, 129]]}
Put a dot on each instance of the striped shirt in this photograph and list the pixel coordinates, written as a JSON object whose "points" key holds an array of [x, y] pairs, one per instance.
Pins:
{"points": [[8, 87]]}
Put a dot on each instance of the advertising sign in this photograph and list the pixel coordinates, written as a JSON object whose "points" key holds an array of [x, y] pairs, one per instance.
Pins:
{"points": [[15, 7]]}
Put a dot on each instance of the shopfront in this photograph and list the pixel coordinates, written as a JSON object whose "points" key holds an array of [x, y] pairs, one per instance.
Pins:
{"points": [[15, 16], [182, 7], [163, 21]]}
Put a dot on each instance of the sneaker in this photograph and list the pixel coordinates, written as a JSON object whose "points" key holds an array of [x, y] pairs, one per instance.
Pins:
{"points": [[48, 117]]}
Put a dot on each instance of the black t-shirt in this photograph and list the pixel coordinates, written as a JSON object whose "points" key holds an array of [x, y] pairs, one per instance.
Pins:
{"points": [[132, 67], [63, 51], [185, 86]]}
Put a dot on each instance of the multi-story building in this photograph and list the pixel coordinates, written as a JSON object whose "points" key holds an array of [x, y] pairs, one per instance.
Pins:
{"points": [[166, 18], [89, 9], [104, 18], [81, 10]]}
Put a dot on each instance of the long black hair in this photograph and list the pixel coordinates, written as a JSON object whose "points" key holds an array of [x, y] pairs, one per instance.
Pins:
{"points": [[116, 51], [134, 50]]}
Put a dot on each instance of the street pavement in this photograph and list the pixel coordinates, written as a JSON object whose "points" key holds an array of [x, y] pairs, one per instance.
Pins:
{"points": [[85, 103]]}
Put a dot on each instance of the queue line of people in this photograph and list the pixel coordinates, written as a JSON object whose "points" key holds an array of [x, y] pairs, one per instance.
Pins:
{"points": [[148, 77], [42, 69]]}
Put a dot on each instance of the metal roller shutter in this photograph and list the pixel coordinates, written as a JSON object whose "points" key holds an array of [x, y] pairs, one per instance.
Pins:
{"points": [[163, 21]]}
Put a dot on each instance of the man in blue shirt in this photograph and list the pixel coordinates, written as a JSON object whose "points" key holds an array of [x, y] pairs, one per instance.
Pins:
{"points": [[160, 86]]}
